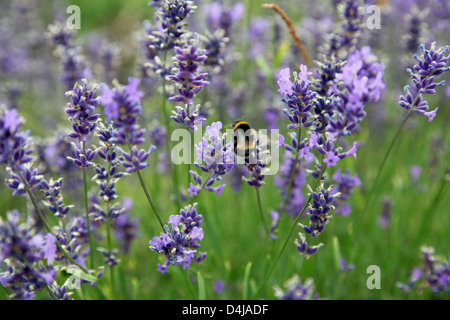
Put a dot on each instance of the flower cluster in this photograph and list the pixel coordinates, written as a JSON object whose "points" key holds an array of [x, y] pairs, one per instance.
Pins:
{"points": [[186, 74], [22, 252], [385, 216], [434, 274], [106, 177], [352, 14], [297, 96], [430, 64], [123, 108], [215, 45], [14, 145], [296, 290], [180, 245], [327, 147], [256, 164], [15, 153], [219, 17], [319, 213], [213, 157], [319, 210], [165, 34], [74, 240], [416, 27], [125, 227], [344, 184], [81, 110], [74, 66], [54, 199], [359, 82]]}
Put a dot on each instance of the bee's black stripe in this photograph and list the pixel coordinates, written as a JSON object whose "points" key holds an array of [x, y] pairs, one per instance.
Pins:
{"points": [[244, 126]]}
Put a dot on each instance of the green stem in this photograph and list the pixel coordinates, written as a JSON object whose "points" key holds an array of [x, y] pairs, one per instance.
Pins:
{"points": [[261, 213], [86, 207], [108, 236], [428, 217], [172, 168], [267, 276], [149, 199], [291, 179], [47, 227], [391, 145]]}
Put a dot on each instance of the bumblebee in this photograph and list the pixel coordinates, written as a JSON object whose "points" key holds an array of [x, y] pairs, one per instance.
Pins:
{"points": [[244, 139]]}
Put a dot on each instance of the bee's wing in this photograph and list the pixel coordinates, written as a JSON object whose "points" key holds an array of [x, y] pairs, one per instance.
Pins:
{"points": [[263, 140]]}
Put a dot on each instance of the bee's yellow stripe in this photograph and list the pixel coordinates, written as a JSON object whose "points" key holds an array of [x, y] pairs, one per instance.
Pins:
{"points": [[238, 124]]}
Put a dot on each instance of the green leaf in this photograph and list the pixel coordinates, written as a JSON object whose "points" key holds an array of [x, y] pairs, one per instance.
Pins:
{"points": [[278, 59], [336, 253], [87, 277], [201, 286], [264, 66], [246, 286]]}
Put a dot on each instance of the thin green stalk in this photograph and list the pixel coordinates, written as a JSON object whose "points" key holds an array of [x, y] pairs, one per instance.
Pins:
{"points": [[391, 145], [188, 282], [47, 227], [261, 213], [150, 199], [428, 217], [291, 179], [108, 238], [267, 276], [172, 168], [86, 207]]}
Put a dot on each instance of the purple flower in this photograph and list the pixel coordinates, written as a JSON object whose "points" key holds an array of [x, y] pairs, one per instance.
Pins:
{"points": [[125, 227], [284, 83], [326, 148], [345, 267], [385, 216], [359, 82], [136, 159], [59, 293], [303, 248], [213, 157], [345, 183], [188, 116], [81, 110], [434, 273], [430, 64], [54, 199], [220, 17], [179, 245], [320, 210], [296, 290], [21, 253], [275, 216], [15, 146], [186, 75], [218, 286], [82, 158], [298, 97], [74, 67], [123, 108]]}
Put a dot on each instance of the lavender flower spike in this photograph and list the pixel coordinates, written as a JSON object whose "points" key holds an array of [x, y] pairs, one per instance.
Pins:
{"points": [[430, 64], [179, 245], [186, 75]]}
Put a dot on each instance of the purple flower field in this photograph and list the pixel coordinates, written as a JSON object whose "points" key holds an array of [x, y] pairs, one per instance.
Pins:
{"points": [[192, 150]]}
